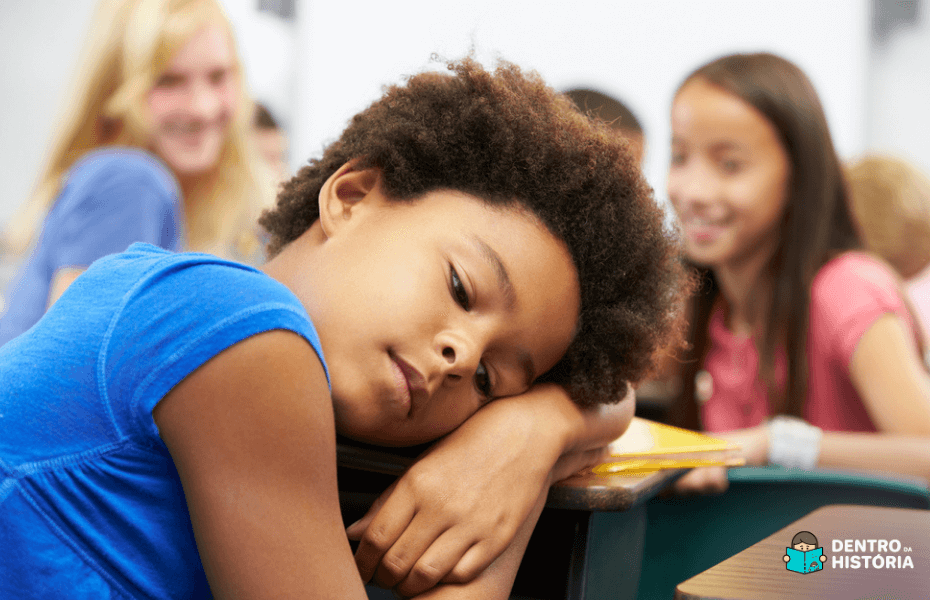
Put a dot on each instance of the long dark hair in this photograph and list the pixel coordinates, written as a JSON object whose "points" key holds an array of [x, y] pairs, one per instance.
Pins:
{"points": [[815, 226]]}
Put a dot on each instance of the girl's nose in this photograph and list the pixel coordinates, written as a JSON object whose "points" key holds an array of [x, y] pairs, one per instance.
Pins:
{"points": [[205, 102], [690, 189], [459, 357]]}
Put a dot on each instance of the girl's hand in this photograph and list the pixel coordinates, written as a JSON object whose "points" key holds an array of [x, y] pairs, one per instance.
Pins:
{"points": [[460, 505], [703, 480], [754, 441], [713, 480]]}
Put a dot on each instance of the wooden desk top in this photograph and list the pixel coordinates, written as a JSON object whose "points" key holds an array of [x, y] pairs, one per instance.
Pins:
{"points": [[759, 572], [586, 491]]}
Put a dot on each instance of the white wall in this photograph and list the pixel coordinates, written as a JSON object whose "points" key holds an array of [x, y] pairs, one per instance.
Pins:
{"points": [[39, 42], [899, 93], [316, 74], [637, 50], [266, 45]]}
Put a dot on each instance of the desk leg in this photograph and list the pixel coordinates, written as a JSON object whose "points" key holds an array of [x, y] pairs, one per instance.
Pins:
{"points": [[580, 557], [614, 554]]}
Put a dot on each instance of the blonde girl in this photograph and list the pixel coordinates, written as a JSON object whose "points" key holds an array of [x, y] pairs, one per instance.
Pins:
{"points": [[153, 146], [891, 204]]}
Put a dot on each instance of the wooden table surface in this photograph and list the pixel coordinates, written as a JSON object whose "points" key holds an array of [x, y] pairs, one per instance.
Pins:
{"points": [[759, 572], [585, 491]]}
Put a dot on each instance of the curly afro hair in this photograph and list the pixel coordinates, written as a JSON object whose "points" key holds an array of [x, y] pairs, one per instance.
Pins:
{"points": [[507, 138]]}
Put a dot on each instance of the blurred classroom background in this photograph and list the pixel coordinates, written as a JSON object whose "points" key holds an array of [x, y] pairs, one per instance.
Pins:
{"points": [[314, 63]]}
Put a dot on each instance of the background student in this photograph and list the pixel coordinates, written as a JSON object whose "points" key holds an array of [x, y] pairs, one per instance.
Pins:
{"points": [[613, 112], [159, 86], [891, 204], [185, 441], [271, 141], [803, 348]]}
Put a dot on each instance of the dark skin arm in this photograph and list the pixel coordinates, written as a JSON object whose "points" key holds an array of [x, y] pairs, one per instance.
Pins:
{"points": [[251, 433], [252, 436]]}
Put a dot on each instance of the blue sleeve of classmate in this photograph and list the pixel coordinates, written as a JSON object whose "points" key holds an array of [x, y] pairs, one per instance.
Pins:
{"points": [[112, 199]]}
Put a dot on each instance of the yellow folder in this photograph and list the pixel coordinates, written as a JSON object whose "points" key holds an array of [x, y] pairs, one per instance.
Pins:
{"points": [[649, 446]]}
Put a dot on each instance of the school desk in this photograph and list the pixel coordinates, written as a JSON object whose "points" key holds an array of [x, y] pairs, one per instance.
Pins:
{"points": [[760, 573], [587, 544]]}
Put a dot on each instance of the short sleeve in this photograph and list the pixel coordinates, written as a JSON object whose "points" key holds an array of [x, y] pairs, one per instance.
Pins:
{"points": [[848, 295], [178, 317], [110, 201]]}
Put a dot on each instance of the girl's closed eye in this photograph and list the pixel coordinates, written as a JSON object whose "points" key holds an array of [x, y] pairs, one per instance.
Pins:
{"points": [[169, 80], [483, 382], [482, 377], [458, 289], [218, 76], [731, 166]]}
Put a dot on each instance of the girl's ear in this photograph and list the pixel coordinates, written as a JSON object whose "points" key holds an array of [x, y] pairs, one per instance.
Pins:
{"points": [[343, 193]]}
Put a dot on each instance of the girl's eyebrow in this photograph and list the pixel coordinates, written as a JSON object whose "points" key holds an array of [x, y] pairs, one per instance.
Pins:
{"points": [[503, 278], [727, 146], [506, 288]]}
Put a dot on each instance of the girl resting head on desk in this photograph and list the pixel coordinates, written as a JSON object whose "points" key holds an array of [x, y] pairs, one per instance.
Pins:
{"points": [[803, 348], [153, 146], [472, 258]]}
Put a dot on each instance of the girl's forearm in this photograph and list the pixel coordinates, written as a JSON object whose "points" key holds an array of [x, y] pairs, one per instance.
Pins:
{"points": [[902, 454], [580, 429], [564, 426], [600, 425]]}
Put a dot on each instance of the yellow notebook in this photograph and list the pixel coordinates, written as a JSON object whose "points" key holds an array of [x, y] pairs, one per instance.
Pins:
{"points": [[649, 446]]}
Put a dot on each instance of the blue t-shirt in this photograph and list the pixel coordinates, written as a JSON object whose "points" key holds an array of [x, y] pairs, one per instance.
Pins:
{"points": [[91, 505], [110, 199]]}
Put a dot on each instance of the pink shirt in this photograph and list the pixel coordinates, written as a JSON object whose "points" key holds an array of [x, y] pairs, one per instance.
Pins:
{"points": [[917, 289], [847, 296]]}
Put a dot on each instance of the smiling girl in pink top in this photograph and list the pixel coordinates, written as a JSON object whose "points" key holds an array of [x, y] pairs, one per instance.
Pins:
{"points": [[798, 339]]}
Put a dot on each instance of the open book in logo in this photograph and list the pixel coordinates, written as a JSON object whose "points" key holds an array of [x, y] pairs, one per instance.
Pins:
{"points": [[804, 556]]}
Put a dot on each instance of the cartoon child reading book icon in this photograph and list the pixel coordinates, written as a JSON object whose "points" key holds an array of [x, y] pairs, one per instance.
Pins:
{"points": [[804, 556]]}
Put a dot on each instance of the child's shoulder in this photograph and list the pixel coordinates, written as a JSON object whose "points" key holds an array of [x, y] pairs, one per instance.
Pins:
{"points": [[192, 282], [176, 311], [855, 287], [853, 270], [121, 162], [148, 288]]}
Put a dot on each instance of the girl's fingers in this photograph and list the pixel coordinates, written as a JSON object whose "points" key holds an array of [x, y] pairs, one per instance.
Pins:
{"points": [[383, 530], [478, 558], [435, 563], [569, 464], [417, 538], [356, 530], [704, 480]]}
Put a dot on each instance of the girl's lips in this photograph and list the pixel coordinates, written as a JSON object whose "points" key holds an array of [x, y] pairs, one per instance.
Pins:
{"points": [[410, 383], [400, 383], [702, 232]]}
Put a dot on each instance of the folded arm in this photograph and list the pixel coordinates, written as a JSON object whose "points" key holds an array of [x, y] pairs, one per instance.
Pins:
{"points": [[464, 501]]}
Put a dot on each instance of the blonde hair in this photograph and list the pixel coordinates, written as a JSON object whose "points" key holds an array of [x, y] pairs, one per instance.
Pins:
{"points": [[890, 201], [131, 44]]}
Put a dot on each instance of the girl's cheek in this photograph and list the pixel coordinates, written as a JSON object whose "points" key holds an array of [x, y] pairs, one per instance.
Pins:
{"points": [[230, 100]]}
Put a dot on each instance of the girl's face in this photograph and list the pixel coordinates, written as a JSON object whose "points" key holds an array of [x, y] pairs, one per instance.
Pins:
{"points": [[429, 309], [728, 179], [193, 102]]}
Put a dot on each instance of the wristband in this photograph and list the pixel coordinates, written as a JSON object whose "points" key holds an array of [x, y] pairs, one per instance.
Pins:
{"points": [[793, 442]]}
